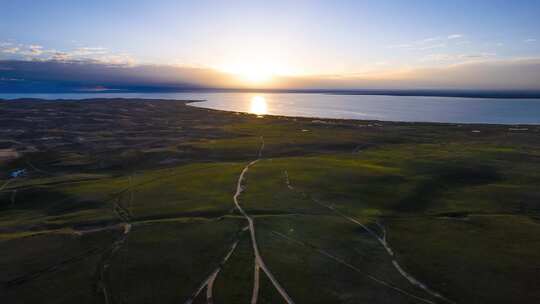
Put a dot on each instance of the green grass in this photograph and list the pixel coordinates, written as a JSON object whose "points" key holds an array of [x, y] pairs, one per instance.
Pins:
{"points": [[483, 259], [167, 262], [235, 281], [56, 267], [461, 209], [304, 271]]}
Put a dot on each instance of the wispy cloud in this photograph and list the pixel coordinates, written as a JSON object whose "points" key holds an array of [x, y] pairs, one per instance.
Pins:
{"points": [[425, 44], [459, 57], [429, 43], [87, 51], [455, 36], [429, 47], [484, 74], [530, 40], [430, 39]]}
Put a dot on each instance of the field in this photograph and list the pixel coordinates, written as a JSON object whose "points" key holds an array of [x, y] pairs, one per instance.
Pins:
{"points": [[151, 201]]}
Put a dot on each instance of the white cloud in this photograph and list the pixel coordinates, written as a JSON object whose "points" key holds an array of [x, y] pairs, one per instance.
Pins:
{"points": [[431, 39], [429, 47], [13, 50], [530, 40], [96, 54], [87, 51], [421, 45], [429, 43], [461, 58], [35, 50], [477, 56], [455, 36]]}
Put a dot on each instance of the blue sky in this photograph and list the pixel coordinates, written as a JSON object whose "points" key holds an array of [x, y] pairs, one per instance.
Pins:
{"points": [[259, 39]]}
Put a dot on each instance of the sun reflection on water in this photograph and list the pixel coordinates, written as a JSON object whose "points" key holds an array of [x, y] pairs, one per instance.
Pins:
{"points": [[258, 105]]}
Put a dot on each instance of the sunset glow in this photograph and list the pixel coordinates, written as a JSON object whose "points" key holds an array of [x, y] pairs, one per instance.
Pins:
{"points": [[251, 74], [274, 45], [254, 75]]}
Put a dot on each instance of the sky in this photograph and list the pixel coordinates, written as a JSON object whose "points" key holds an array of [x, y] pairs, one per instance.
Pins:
{"points": [[277, 44]]}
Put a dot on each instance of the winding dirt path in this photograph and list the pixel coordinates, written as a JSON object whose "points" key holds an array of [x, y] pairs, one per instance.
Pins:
{"points": [[251, 224], [105, 263], [208, 283], [103, 267], [352, 267], [256, 282], [382, 240], [5, 184]]}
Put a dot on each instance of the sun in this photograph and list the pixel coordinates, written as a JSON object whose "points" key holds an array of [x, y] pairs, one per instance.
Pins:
{"points": [[256, 76], [251, 73]]}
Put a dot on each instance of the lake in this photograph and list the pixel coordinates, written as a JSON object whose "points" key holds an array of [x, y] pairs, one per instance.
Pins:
{"points": [[368, 107]]}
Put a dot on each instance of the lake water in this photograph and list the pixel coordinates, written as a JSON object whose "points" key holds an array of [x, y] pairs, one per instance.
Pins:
{"points": [[389, 108]]}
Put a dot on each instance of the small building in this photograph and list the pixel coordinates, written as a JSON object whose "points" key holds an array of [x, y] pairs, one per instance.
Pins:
{"points": [[18, 173]]}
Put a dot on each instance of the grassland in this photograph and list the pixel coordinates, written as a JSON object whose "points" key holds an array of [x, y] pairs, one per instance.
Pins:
{"points": [[131, 201]]}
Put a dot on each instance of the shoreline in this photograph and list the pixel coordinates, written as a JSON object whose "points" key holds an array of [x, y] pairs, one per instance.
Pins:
{"points": [[189, 103], [456, 93]]}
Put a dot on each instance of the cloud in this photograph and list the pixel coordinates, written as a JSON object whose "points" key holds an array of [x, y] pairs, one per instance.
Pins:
{"points": [[86, 53], [11, 50], [428, 43], [74, 75], [530, 40], [418, 46], [490, 74], [38, 68], [430, 47], [454, 36], [459, 57], [35, 50], [431, 39], [59, 56], [481, 72]]}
